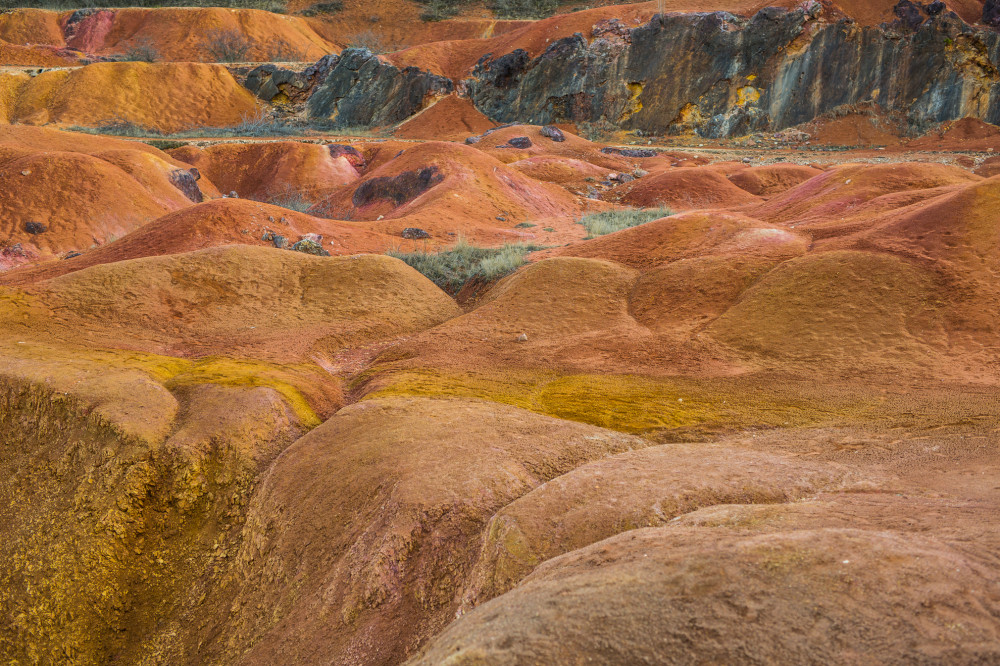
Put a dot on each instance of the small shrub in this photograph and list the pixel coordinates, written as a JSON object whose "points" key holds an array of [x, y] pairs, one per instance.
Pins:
{"points": [[323, 8], [610, 221], [523, 9], [227, 46], [290, 199], [373, 41], [256, 125], [524, 225], [439, 10], [451, 269], [281, 51], [164, 144], [548, 229], [118, 127], [141, 51]]}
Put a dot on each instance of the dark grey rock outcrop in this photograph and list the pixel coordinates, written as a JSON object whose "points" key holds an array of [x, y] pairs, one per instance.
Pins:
{"points": [[721, 75], [363, 91]]}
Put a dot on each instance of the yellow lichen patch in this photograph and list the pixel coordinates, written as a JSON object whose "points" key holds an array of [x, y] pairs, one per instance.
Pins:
{"points": [[640, 405], [747, 95], [623, 402], [633, 105], [232, 372], [308, 390], [689, 116]]}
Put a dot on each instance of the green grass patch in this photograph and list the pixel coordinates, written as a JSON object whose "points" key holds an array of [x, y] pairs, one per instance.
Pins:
{"points": [[260, 125], [452, 268], [610, 221]]}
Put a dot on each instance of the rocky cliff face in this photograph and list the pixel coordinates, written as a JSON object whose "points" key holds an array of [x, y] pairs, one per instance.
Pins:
{"points": [[361, 90], [713, 74], [721, 75]]}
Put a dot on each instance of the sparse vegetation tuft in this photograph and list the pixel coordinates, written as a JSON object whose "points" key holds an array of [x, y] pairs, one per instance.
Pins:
{"points": [[610, 221], [141, 51], [374, 41], [279, 50], [453, 268], [439, 10], [523, 9], [290, 199], [226, 46], [323, 8]]}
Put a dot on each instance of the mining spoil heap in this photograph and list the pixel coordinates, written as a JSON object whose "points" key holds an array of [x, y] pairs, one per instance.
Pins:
{"points": [[520, 333]]}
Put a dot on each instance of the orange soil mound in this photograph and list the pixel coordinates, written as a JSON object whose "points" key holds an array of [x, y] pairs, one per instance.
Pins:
{"points": [[35, 56], [211, 224], [672, 579], [561, 170], [644, 488], [684, 189], [545, 301], [140, 93], [451, 118], [396, 24], [772, 178], [246, 301], [573, 147], [964, 134], [841, 191], [954, 234], [855, 309], [176, 33], [455, 59], [31, 26], [989, 167], [449, 187], [410, 485], [43, 139], [280, 170], [184, 33], [81, 200], [856, 129], [689, 235]]}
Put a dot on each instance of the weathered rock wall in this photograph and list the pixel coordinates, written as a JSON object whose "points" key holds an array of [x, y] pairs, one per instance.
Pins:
{"points": [[361, 90], [721, 75]]}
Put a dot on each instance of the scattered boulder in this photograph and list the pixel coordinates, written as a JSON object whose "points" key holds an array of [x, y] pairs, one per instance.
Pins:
{"points": [[413, 233], [991, 13], [35, 228], [518, 142], [554, 133], [935, 8], [71, 254], [186, 182], [309, 246], [473, 140], [397, 189], [908, 13], [629, 152], [353, 155], [279, 241]]}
